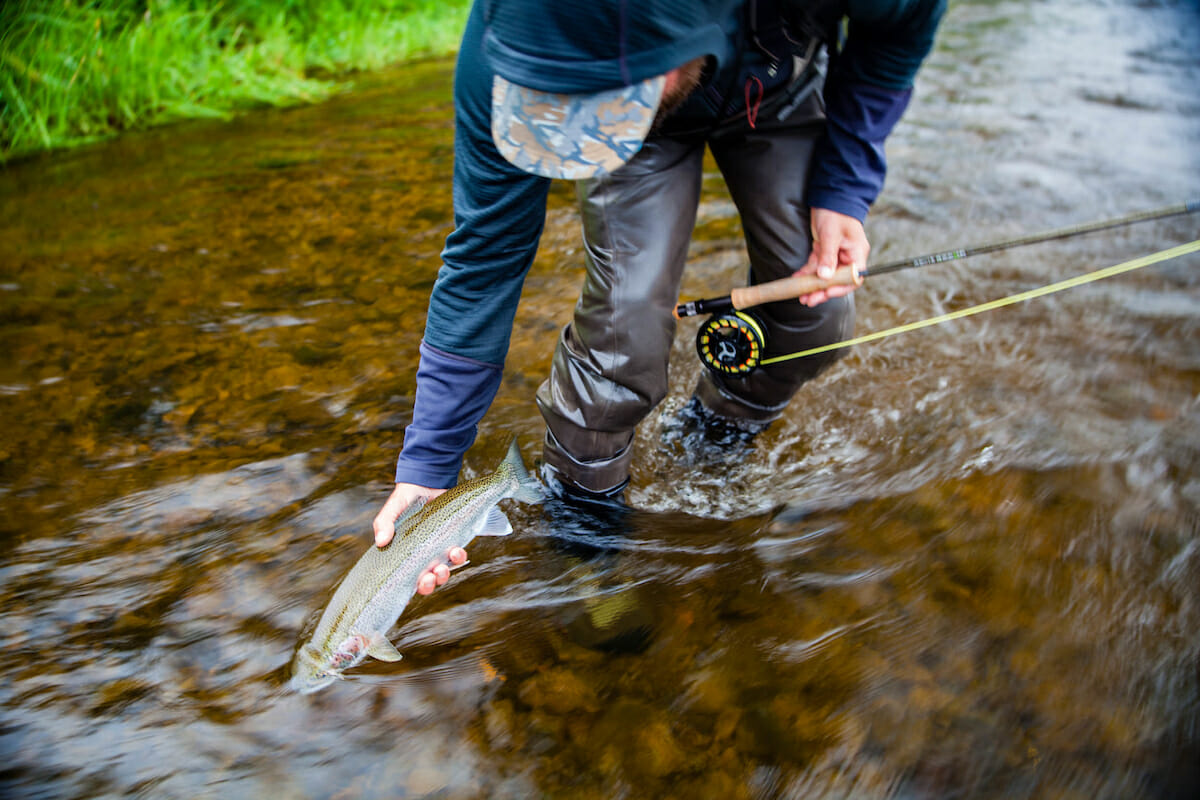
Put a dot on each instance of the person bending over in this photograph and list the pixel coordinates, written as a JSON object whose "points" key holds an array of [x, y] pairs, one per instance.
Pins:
{"points": [[794, 99]]}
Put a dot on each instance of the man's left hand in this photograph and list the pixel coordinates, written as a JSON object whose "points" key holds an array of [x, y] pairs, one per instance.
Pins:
{"points": [[838, 240], [385, 529]]}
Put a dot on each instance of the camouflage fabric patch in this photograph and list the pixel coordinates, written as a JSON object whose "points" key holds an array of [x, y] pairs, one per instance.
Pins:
{"points": [[572, 136]]}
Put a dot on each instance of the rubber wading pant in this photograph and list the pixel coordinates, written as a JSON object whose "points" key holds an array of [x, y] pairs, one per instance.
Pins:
{"points": [[610, 367]]}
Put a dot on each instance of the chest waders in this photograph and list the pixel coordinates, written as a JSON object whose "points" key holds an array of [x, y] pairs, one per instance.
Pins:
{"points": [[610, 366]]}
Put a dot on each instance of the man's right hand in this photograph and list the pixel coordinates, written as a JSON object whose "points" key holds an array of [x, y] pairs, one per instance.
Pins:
{"points": [[838, 241], [401, 497]]}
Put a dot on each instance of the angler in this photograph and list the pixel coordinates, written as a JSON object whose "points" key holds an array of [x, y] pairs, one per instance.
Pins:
{"points": [[626, 98]]}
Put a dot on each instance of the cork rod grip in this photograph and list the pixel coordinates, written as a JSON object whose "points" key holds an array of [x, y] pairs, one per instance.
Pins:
{"points": [[792, 287]]}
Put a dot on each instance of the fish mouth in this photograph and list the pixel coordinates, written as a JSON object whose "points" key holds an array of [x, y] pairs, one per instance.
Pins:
{"points": [[310, 682], [309, 674]]}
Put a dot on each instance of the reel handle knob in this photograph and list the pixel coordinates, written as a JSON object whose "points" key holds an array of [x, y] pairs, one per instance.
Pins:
{"points": [[792, 287]]}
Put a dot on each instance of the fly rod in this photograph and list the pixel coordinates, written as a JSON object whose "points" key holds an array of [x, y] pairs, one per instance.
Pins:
{"points": [[797, 285]]}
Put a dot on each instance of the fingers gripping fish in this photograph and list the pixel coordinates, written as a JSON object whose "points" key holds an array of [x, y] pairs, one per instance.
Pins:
{"points": [[375, 592]]}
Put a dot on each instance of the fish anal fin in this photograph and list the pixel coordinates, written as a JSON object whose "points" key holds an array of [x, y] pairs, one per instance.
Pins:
{"points": [[495, 524], [379, 647]]}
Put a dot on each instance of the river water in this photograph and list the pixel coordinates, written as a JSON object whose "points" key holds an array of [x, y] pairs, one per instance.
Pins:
{"points": [[965, 564]]}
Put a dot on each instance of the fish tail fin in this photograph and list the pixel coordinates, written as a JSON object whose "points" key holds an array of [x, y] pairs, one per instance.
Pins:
{"points": [[528, 489]]}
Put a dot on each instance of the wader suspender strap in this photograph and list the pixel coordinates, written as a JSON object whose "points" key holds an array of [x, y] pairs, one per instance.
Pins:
{"points": [[793, 46], [795, 30], [779, 28]]}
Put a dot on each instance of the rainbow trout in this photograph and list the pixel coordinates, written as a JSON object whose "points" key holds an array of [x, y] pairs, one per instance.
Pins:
{"points": [[374, 593]]}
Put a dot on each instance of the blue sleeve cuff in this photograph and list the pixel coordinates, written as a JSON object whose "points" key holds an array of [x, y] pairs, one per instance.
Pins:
{"points": [[849, 165], [453, 393]]}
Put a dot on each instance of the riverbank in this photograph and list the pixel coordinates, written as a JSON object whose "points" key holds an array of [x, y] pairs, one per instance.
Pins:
{"points": [[77, 71]]}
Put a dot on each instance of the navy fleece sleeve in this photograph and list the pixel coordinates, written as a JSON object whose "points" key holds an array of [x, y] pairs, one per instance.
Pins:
{"points": [[888, 39], [866, 94], [499, 212], [453, 393], [849, 165]]}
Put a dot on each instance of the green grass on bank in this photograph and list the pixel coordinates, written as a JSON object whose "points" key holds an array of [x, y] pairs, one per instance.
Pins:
{"points": [[73, 71]]}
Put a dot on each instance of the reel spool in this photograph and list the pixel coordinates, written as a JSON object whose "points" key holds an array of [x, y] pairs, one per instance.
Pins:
{"points": [[732, 343]]}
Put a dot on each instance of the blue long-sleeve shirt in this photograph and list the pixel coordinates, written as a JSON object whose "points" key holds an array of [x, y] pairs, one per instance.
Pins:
{"points": [[499, 210]]}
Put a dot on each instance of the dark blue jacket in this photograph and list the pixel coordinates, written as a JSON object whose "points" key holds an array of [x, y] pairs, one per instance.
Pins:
{"points": [[578, 47]]}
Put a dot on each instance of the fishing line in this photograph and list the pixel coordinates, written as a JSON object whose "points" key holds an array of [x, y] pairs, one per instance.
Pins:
{"points": [[1080, 280]]}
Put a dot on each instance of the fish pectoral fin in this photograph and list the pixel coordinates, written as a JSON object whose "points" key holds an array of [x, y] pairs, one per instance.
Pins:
{"points": [[379, 647], [496, 524]]}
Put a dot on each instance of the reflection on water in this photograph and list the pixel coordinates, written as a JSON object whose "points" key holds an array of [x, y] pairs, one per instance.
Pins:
{"points": [[964, 565]]}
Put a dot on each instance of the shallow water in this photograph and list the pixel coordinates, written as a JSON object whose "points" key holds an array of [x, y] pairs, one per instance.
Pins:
{"points": [[964, 565]]}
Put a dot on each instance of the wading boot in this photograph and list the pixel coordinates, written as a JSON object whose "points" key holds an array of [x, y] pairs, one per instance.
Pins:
{"points": [[581, 520], [705, 437]]}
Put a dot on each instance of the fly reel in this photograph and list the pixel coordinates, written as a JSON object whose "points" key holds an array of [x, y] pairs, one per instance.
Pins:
{"points": [[731, 343]]}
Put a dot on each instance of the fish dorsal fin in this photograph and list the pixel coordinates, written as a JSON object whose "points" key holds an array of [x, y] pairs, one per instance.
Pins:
{"points": [[496, 524], [528, 490], [379, 647], [406, 516]]}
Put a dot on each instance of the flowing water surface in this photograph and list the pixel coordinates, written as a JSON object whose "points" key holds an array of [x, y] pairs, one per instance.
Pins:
{"points": [[965, 564]]}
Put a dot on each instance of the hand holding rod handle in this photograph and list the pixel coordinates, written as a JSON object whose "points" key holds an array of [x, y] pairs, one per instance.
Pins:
{"points": [[789, 288], [793, 287]]}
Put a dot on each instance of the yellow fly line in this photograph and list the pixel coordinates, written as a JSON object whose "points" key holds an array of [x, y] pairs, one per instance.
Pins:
{"points": [[1100, 274]]}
